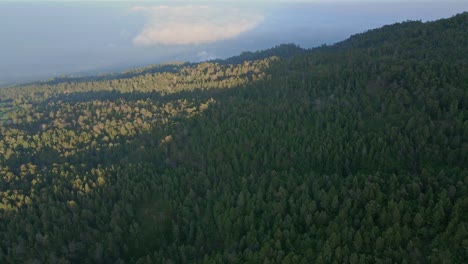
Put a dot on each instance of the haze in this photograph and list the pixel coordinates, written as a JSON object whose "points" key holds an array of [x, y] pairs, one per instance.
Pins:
{"points": [[40, 40]]}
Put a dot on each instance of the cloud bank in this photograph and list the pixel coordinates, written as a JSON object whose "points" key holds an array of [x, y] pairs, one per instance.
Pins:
{"points": [[188, 25]]}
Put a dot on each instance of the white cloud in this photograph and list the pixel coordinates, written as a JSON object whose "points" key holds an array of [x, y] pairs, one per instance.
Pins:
{"points": [[185, 25], [205, 56]]}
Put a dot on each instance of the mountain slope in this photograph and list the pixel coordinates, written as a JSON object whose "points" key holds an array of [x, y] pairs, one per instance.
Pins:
{"points": [[352, 153]]}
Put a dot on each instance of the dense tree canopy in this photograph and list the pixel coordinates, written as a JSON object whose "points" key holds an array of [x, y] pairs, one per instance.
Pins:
{"points": [[351, 153]]}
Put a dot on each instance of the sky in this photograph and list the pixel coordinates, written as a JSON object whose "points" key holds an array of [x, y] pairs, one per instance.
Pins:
{"points": [[40, 40]]}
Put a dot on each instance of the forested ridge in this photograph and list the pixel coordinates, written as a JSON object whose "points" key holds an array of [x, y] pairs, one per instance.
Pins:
{"points": [[351, 153]]}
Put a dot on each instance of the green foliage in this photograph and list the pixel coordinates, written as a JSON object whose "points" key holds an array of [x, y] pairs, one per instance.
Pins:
{"points": [[353, 153]]}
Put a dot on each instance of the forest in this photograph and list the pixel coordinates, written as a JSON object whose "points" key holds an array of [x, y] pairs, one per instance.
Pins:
{"points": [[355, 152]]}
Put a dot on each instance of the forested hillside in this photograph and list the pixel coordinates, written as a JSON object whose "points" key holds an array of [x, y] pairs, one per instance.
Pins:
{"points": [[351, 153]]}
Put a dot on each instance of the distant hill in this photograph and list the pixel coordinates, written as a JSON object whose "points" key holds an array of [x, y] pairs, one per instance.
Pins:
{"points": [[151, 69], [283, 51]]}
